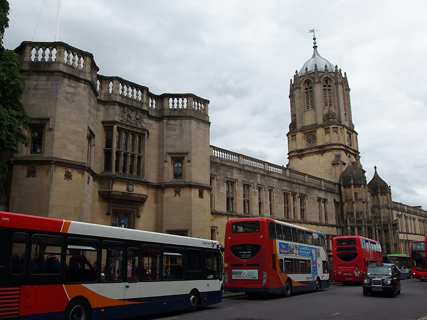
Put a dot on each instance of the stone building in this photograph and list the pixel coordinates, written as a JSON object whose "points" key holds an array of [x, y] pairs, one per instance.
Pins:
{"points": [[109, 151]]}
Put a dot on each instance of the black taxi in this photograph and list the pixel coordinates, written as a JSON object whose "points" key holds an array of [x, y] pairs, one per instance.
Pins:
{"points": [[381, 278]]}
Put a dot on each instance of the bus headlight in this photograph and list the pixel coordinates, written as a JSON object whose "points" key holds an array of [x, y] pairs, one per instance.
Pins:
{"points": [[226, 277], [264, 278]]}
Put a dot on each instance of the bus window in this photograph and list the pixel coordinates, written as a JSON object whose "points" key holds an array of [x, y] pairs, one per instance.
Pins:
{"points": [[322, 241], [281, 265], [304, 266], [81, 260], [289, 266], [111, 261], [301, 236], [308, 238], [46, 252], [316, 239], [245, 227], [19, 247], [325, 267], [272, 230], [132, 265], [213, 265], [279, 233], [294, 235], [150, 263], [194, 260], [287, 233], [172, 263]]}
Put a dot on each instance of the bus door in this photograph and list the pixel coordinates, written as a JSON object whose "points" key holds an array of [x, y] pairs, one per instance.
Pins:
{"points": [[114, 284], [132, 273]]}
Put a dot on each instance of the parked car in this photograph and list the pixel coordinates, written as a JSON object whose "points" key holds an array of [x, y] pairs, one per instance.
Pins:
{"points": [[382, 278], [404, 273]]}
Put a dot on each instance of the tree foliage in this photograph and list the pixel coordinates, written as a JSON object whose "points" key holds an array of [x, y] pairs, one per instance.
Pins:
{"points": [[13, 118]]}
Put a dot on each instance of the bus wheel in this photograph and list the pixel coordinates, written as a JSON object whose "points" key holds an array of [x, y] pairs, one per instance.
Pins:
{"points": [[288, 288], [318, 285], [193, 301], [77, 310]]}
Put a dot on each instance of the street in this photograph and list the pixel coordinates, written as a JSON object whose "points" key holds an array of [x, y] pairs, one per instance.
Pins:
{"points": [[337, 302]]}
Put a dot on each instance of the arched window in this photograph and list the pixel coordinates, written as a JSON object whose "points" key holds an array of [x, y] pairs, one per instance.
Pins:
{"points": [[309, 103], [327, 92], [177, 170]]}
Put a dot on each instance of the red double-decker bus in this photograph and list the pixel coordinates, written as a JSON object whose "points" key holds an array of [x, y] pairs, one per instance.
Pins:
{"points": [[418, 259], [351, 255], [262, 255]]}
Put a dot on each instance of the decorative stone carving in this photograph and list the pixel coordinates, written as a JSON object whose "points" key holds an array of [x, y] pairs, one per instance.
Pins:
{"points": [[129, 187], [31, 171], [177, 192], [131, 116], [68, 174]]}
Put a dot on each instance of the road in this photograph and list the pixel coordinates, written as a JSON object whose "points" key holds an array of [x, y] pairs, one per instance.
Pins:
{"points": [[337, 302]]}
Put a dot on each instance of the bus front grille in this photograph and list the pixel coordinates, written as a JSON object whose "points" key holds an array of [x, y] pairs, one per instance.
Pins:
{"points": [[9, 302]]}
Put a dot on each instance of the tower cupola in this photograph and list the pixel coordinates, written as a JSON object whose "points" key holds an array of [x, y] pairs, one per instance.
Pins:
{"points": [[316, 61]]}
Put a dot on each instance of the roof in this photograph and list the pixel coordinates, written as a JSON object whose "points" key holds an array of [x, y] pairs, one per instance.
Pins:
{"points": [[352, 175], [378, 185], [316, 61]]}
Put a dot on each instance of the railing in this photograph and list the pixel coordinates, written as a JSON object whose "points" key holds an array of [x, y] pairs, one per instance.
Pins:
{"points": [[289, 174], [140, 94], [59, 53]]}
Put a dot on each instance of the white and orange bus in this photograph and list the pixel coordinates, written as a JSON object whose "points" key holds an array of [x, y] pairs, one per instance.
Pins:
{"points": [[262, 255], [351, 255], [60, 269]]}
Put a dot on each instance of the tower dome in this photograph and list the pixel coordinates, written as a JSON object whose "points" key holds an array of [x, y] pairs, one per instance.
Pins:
{"points": [[352, 175], [316, 60], [378, 185]]}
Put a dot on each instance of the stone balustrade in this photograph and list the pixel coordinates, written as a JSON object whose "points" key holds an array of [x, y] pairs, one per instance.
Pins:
{"points": [[56, 52], [291, 175], [61, 56]]}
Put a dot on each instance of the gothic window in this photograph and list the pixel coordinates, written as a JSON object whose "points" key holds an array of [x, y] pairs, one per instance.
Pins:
{"points": [[271, 201], [230, 192], [260, 202], [125, 155], [319, 207], [246, 198], [308, 90], [287, 204], [90, 145], [213, 192], [327, 92], [177, 169], [325, 210], [36, 140], [302, 207]]}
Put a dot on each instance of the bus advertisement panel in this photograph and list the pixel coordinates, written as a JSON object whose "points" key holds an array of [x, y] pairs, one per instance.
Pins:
{"points": [[60, 269], [262, 255], [418, 260], [351, 255]]}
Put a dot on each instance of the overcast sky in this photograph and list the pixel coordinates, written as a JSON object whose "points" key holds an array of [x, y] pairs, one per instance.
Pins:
{"points": [[242, 54]]}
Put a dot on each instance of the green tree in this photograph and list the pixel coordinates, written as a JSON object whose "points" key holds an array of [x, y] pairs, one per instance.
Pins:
{"points": [[13, 118]]}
